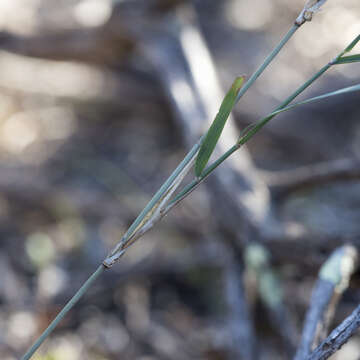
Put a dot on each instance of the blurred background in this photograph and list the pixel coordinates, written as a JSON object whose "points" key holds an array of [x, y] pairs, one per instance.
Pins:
{"points": [[99, 101]]}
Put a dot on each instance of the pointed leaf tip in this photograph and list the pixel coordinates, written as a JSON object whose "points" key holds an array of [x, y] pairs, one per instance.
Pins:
{"points": [[217, 126]]}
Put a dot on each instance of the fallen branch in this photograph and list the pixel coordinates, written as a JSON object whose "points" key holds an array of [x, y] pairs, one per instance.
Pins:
{"points": [[333, 280], [338, 337]]}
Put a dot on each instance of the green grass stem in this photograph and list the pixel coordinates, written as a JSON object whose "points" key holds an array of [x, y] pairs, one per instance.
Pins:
{"points": [[63, 312], [267, 61], [190, 187]]}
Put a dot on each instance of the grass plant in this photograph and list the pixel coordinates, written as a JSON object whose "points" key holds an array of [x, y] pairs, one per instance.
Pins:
{"points": [[166, 197]]}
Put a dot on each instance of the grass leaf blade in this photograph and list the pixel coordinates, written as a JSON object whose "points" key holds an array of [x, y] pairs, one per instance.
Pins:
{"points": [[348, 59], [216, 128], [320, 97], [251, 131]]}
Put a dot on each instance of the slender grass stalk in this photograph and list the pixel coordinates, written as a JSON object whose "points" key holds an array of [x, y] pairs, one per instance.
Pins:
{"points": [[63, 312], [320, 97], [267, 61], [118, 250]]}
